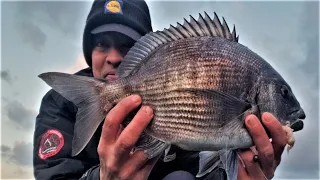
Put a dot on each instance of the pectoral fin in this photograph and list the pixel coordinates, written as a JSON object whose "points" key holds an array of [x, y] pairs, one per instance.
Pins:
{"points": [[151, 146], [233, 106], [230, 102]]}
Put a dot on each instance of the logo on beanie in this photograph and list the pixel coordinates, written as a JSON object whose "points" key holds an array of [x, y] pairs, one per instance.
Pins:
{"points": [[113, 7]]}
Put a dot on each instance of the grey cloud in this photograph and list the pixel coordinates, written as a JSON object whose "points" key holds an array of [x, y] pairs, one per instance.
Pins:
{"points": [[71, 14], [22, 117], [6, 76], [34, 20], [4, 99], [309, 34], [20, 154], [31, 33], [22, 173], [5, 148], [6, 153], [65, 16]]}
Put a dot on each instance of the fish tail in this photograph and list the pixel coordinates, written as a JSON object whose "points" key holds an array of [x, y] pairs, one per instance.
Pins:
{"points": [[90, 96]]}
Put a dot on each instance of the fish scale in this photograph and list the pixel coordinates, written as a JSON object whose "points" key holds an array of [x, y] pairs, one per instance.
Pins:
{"points": [[183, 78], [186, 78], [200, 68], [201, 83]]}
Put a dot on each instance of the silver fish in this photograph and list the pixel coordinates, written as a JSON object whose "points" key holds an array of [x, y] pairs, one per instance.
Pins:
{"points": [[201, 83]]}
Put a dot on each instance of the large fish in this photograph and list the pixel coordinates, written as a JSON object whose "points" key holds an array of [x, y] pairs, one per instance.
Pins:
{"points": [[201, 83]]}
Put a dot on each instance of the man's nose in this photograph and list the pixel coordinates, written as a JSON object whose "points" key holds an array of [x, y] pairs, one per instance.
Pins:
{"points": [[114, 58]]}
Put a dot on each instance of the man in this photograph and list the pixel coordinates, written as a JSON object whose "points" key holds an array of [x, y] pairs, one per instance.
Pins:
{"points": [[112, 28]]}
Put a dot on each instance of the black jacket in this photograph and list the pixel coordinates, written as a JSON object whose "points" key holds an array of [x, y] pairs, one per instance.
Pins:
{"points": [[54, 132]]}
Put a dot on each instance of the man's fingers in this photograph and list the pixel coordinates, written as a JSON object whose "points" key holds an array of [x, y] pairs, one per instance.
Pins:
{"points": [[252, 168], [277, 133], [262, 143], [133, 130], [116, 116], [148, 166], [242, 172], [120, 130], [133, 164]]}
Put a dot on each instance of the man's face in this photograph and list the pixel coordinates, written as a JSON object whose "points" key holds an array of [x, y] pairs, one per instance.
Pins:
{"points": [[108, 53], [105, 62]]}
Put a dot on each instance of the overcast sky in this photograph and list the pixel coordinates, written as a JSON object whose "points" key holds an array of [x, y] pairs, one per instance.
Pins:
{"points": [[45, 36]]}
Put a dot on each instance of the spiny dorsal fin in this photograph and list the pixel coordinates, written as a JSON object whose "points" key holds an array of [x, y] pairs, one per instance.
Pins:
{"points": [[204, 26]]}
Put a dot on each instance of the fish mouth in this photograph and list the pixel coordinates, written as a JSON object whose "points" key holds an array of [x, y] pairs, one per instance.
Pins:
{"points": [[297, 124]]}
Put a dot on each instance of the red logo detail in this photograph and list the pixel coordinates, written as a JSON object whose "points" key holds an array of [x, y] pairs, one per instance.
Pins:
{"points": [[51, 143]]}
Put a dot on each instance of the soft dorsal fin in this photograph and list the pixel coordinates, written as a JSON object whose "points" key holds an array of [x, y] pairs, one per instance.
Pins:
{"points": [[204, 26]]}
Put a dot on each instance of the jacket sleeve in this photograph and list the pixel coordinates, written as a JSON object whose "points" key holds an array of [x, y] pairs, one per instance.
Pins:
{"points": [[53, 140]]}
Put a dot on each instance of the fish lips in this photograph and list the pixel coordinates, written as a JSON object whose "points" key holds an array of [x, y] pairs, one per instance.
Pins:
{"points": [[297, 125]]}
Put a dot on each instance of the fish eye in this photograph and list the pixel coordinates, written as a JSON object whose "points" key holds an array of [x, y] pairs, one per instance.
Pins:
{"points": [[284, 90]]}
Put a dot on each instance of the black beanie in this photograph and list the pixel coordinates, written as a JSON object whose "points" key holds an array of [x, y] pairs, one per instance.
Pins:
{"points": [[130, 17]]}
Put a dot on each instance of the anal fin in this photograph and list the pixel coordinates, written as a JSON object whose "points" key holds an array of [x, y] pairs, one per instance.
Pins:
{"points": [[225, 159], [208, 161], [151, 146], [229, 160]]}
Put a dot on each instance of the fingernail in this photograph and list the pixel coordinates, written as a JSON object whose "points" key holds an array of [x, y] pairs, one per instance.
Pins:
{"points": [[251, 122], [136, 98], [148, 110], [268, 117]]}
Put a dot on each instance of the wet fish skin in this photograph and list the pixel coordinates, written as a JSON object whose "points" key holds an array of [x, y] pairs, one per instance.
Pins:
{"points": [[276, 96], [208, 63], [182, 115], [201, 84]]}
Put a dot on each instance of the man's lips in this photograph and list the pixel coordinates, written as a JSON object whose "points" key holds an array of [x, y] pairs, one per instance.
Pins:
{"points": [[111, 76]]}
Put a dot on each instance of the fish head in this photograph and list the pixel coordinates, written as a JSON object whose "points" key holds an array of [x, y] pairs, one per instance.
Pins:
{"points": [[276, 97]]}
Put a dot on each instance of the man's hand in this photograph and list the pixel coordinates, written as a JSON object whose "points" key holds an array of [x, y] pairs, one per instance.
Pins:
{"points": [[116, 159], [269, 153]]}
